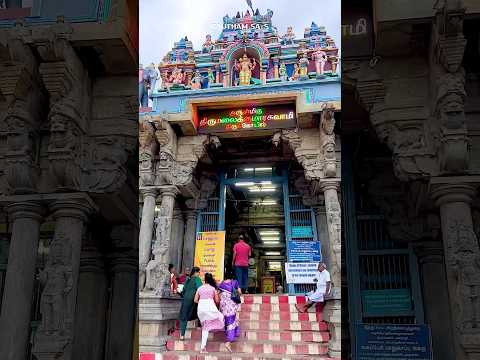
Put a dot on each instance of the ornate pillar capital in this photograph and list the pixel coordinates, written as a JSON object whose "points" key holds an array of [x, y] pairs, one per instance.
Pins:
{"points": [[448, 190], [428, 251], [79, 207], [124, 262], [149, 192], [25, 209], [330, 184], [169, 191]]}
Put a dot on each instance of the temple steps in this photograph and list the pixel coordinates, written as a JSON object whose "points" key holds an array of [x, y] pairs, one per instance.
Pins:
{"points": [[270, 328], [259, 335]]}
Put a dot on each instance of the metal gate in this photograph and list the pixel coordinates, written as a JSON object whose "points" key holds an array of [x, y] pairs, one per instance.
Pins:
{"points": [[300, 225]]}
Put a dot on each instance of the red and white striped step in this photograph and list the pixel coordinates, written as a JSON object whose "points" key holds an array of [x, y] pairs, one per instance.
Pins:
{"points": [[255, 335], [271, 328], [191, 355], [252, 347]]}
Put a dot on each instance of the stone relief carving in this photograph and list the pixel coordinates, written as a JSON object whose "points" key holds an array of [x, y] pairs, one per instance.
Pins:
{"points": [[327, 136], [157, 275], [148, 148], [56, 303], [464, 259]]}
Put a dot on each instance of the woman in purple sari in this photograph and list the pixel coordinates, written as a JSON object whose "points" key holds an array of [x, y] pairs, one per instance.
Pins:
{"points": [[229, 308]]}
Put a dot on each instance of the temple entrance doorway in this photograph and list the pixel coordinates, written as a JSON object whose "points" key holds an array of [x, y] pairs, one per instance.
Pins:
{"points": [[254, 207]]}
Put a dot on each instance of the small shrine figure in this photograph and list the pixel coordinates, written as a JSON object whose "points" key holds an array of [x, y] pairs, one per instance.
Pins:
{"points": [[245, 67], [177, 76], [283, 72], [288, 38], [333, 59], [210, 77], [208, 44], [320, 58], [295, 74], [197, 81], [303, 65]]}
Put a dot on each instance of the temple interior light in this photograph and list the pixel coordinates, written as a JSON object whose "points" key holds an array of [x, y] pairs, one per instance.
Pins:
{"points": [[245, 183], [270, 238], [272, 253], [269, 232], [258, 189]]}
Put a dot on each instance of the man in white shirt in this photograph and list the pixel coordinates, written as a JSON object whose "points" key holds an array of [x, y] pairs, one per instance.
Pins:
{"points": [[323, 288]]}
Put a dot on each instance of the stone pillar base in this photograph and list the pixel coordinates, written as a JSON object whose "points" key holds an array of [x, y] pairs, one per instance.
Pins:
{"points": [[332, 315], [157, 317]]}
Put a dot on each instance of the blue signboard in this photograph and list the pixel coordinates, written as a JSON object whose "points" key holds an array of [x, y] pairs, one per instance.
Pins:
{"points": [[299, 232], [393, 342], [305, 251]]}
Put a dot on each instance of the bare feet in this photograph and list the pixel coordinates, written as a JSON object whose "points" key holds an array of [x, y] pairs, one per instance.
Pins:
{"points": [[297, 306], [228, 347], [182, 338], [203, 351]]}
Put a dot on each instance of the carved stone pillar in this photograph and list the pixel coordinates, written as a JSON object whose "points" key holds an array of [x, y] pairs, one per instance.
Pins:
{"points": [[189, 238], [123, 304], [54, 338], [90, 314], [176, 245], [333, 212], [435, 296], [158, 277], [322, 231], [146, 232], [16, 305], [462, 255]]}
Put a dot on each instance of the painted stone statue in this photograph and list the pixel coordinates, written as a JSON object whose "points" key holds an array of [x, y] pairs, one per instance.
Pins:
{"points": [[177, 76], [296, 72], [289, 37], [320, 58], [208, 44], [197, 80], [283, 72], [210, 77], [333, 59], [147, 79], [245, 67], [303, 66]]}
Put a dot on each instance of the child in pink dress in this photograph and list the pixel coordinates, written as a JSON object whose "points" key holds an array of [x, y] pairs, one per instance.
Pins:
{"points": [[208, 314]]}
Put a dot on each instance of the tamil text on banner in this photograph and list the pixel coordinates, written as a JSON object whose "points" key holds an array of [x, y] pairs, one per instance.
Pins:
{"points": [[304, 251], [301, 273], [210, 253]]}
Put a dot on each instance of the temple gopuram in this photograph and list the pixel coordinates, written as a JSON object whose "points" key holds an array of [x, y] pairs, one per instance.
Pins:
{"points": [[268, 58]]}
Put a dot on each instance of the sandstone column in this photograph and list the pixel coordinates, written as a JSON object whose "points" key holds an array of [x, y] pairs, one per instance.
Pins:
{"points": [[123, 304], [322, 232], [18, 291], [462, 258], [189, 238], [90, 314], [435, 296], [54, 337], [146, 232]]}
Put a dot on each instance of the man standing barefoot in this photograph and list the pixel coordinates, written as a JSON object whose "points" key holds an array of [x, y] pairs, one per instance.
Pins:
{"points": [[241, 252]]}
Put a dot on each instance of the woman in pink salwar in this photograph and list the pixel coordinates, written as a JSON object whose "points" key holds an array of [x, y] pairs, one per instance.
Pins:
{"points": [[208, 314]]}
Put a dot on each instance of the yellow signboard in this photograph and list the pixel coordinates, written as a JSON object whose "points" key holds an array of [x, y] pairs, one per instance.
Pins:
{"points": [[210, 253]]}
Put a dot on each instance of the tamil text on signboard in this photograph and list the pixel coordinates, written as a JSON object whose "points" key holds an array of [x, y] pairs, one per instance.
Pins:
{"points": [[301, 273], [302, 250], [393, 342], [246, 118], [209, 253], [387, 301]]}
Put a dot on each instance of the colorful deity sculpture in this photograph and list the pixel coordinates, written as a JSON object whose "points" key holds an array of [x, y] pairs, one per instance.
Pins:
{"points": [[177, 76], [333, 59], [197, 80], [303, 65], [283, 72], [320, 58], [210, 77], [289, 37], [245, 67], [208, 44], [147, 78], [296, 72]]}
